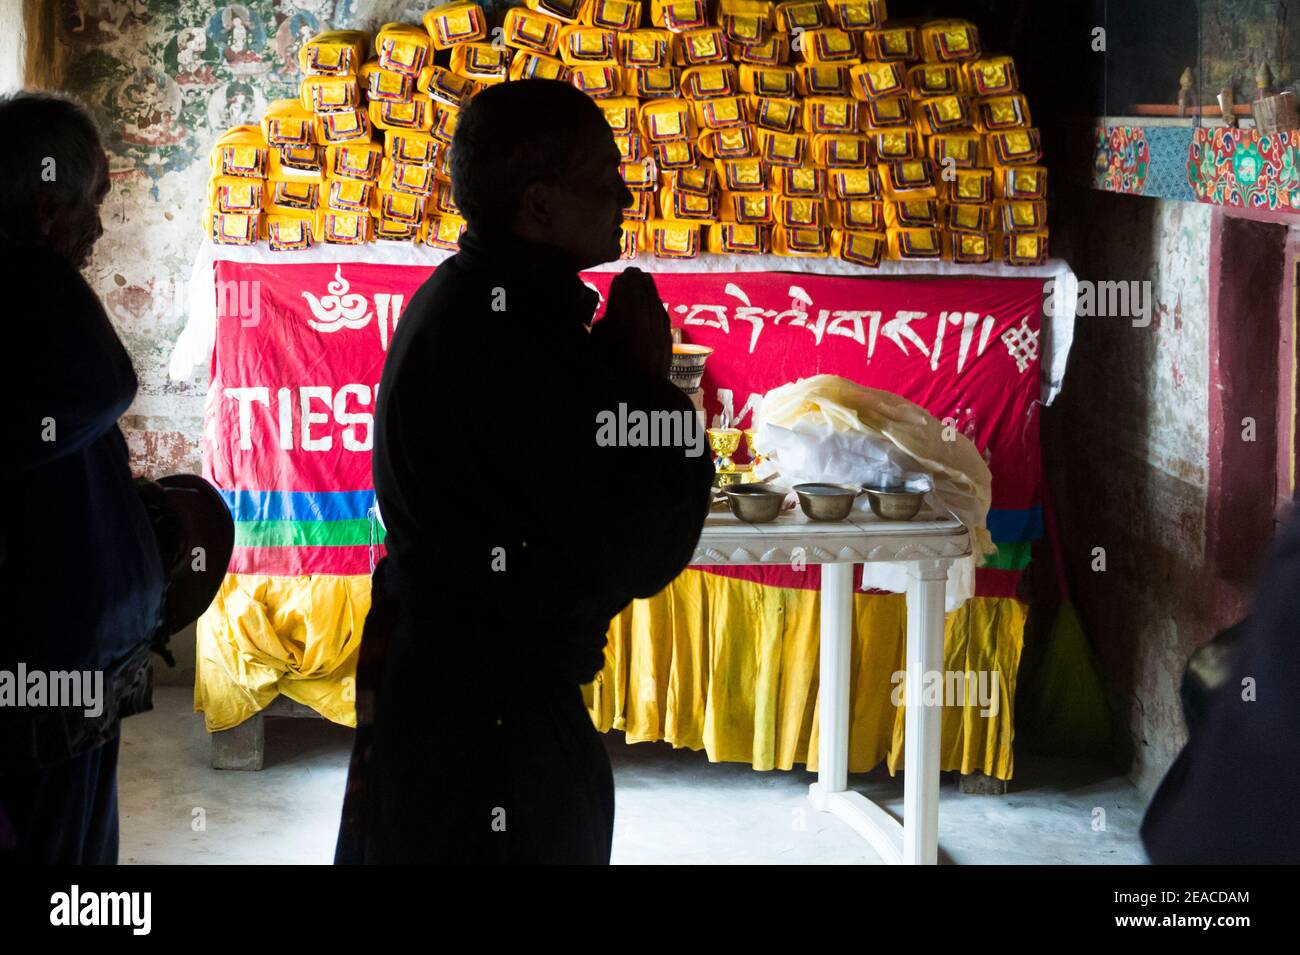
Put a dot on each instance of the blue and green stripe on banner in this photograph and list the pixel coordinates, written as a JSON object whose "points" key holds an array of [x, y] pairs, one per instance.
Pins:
{"points": [[342, 519], [1014, 531], [302, 518]]}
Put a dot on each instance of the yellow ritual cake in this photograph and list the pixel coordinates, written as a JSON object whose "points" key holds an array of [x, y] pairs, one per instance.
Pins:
{"points": [[805, 128]]}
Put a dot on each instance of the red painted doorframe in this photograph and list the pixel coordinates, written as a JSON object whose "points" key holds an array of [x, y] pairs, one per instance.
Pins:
{"points": [[1287, 365], [1248, 273]]}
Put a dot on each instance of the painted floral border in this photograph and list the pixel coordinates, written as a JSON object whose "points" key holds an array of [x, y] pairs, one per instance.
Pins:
{"points": [[1246, 168], [1121, 159]]}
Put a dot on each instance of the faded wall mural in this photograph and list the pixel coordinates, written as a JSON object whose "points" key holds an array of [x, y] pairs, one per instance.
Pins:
{"points": [[1237, 36], [164, 79]]}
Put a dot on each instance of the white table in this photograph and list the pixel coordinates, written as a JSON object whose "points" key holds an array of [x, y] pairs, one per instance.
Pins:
{"points": [[927, 545]]}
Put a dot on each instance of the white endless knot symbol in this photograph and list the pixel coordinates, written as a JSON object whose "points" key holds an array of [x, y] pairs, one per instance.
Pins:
{"points": [[1022, 343]]}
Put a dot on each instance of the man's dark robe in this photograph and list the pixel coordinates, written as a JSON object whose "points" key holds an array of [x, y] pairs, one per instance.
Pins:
{"points": [[513, 539], [81, 577], [1230, 797]]}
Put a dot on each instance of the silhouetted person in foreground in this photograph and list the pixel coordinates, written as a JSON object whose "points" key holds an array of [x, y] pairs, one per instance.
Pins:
{"points": [[81, 575], [513, 536], [1230, 797]]}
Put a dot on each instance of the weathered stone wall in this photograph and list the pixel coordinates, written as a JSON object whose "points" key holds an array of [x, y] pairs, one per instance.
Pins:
{"points": [[1127, 449]]}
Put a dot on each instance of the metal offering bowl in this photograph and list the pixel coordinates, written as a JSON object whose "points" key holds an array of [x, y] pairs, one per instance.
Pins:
{"points": [[754, 503], [827, 502], [895, 503], [687, 368]]}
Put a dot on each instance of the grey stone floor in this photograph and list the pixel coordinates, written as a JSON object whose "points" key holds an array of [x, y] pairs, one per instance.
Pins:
{"points": [[673, 806]]}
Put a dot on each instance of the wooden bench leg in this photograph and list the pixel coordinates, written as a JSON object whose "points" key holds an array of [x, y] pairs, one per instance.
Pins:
{"points": [[240, 747]]}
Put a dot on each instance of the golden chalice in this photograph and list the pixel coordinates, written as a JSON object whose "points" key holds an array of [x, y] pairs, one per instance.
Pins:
{"points": [[725, 442], [755, 459]]}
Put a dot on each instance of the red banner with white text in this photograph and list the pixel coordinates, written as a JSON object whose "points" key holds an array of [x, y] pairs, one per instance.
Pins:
{"points": [[300, 349]]}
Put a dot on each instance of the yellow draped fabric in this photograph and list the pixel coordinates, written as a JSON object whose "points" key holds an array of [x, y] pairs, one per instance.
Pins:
{"points": [[713, 663], [263, 636], [750, 693]]}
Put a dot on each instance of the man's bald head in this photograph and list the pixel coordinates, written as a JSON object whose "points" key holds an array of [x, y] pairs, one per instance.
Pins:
{"points": [[53, 174], [528, 157], [512, 134]]}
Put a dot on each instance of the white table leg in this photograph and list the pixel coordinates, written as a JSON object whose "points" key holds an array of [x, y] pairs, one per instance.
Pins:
{"points": [[836, 643], [831, 793], [925, 619]]}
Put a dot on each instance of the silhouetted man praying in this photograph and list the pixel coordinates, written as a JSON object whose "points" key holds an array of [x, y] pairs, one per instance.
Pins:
{"points": [[514, 536]]}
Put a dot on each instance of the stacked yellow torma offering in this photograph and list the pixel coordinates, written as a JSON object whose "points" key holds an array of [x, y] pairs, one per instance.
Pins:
{"points": [[800, 129]]}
